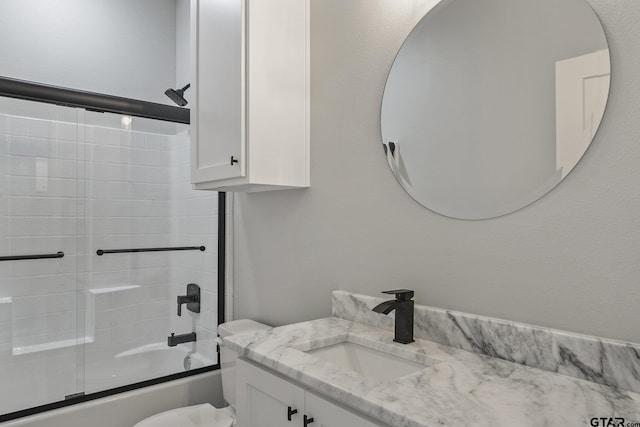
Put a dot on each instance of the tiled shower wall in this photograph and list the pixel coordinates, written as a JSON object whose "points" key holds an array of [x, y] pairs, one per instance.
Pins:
{"points": [[113, 189], [195, 223]]}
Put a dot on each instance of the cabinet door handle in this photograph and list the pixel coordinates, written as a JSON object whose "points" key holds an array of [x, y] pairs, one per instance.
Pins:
{"points": [[233, 161], [291, 412], [307, 421]]}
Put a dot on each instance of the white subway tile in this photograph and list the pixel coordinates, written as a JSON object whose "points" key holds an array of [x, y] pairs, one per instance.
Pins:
{"points": [[102, 135], [42, 129], [18, 126], [42, 226], [31, 147], [36, 285], [66, 150], [6, 335], [4, 124], [6, 313], [43, 207], [138, 140], [4, 144], [109, 319], [35, 326], [55, 187], [99, 279], [159, 142], [43, 304], [68, 131]]}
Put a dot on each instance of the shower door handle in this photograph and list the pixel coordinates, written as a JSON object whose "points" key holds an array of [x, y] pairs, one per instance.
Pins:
{"points": [[59, 254]]}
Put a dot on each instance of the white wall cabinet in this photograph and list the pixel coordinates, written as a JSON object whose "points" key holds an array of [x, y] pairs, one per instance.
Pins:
{"points": [[250, 99], [265, 399]]}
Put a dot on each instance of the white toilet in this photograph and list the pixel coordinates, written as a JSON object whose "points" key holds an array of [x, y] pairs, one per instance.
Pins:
{"points": [[207, 415]]}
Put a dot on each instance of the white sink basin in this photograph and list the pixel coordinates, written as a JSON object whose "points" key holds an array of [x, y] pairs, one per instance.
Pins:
{"points": [[366, 361]]}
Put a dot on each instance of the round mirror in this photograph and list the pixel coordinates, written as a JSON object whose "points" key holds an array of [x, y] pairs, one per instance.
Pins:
{"points": [[491, 103]]}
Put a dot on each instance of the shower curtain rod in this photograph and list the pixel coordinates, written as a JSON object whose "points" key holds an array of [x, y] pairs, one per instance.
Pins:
{"points": [[91, 101]]}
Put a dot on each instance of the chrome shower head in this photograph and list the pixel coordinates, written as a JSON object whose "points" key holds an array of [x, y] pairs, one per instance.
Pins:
{"points": [[177, 95]]}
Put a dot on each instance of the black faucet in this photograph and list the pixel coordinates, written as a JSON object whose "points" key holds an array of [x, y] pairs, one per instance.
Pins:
{"points": [[403, 305], [174, 339]]}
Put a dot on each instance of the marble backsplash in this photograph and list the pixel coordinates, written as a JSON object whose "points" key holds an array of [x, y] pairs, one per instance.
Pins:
{"points": [[608, 362]]}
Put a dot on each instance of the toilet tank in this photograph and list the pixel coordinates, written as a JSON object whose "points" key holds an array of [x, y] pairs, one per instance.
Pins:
{"points": [[228, 357]]}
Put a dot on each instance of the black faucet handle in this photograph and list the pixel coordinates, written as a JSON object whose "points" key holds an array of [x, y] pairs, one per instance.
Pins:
{"points": [[192, 299], [401, 294]]}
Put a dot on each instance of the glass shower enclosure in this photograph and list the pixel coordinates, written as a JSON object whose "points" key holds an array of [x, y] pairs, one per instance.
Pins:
{"points": [[100, 232]]}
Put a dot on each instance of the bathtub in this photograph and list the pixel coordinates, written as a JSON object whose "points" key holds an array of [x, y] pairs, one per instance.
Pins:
{"points": [[140, 364], [127, 408]]}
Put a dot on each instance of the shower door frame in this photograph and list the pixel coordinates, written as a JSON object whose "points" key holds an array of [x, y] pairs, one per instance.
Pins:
{"points": [[92, 101]]}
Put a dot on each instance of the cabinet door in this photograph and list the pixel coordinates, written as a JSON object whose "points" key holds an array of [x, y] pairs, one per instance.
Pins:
{"points": [[217, 93], [329, 414], [264, 399]]}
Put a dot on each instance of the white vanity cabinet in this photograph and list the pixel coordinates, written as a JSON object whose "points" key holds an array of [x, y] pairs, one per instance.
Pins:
{"points": [[266, 399], [329, 414], [250, 94]]}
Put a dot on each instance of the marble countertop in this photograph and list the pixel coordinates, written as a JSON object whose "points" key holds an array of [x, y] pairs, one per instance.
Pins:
{"points": [[457, 388]]}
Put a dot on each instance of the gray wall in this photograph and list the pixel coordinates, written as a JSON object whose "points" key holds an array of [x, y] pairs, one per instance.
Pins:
{"points": [[183, 45], [569, 261], [119, 47]]}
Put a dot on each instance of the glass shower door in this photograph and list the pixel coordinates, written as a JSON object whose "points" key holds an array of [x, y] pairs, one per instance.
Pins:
{"points": [[42, 224], [140, 205], [87, 301]]}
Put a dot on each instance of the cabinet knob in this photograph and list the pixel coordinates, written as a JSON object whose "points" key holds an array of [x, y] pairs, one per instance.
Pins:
{"points": [[290, 412], [307, 420], [233, 161]]}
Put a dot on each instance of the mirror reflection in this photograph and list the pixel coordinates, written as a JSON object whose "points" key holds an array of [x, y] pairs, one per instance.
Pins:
{"points": [[490, 104]]}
